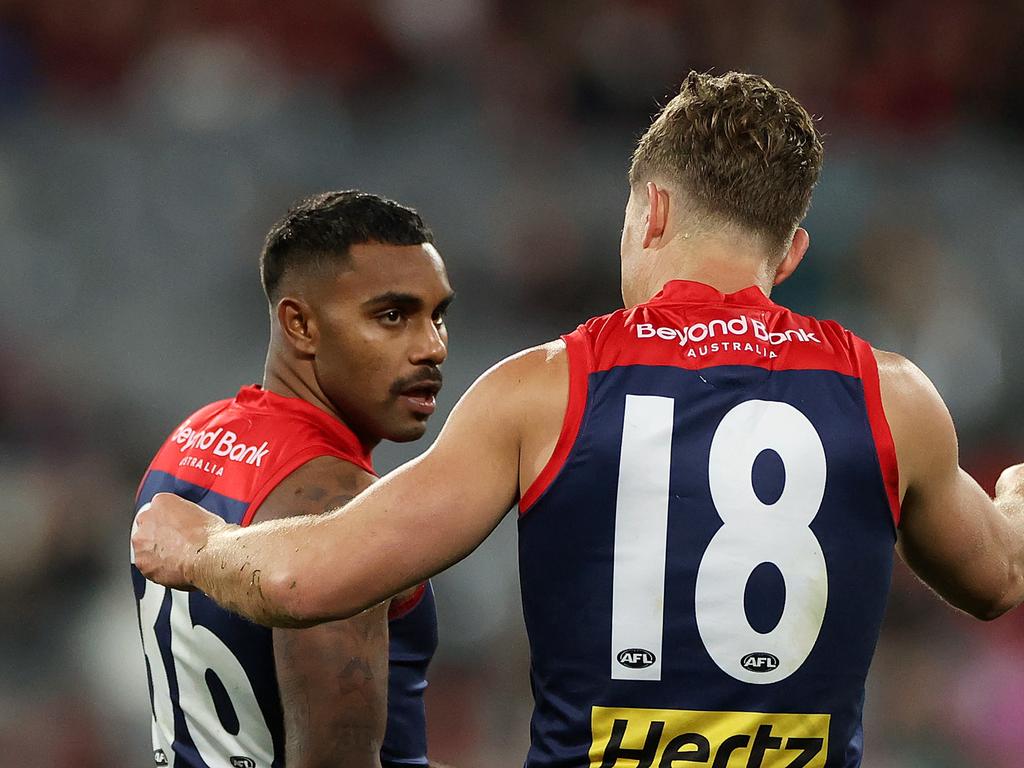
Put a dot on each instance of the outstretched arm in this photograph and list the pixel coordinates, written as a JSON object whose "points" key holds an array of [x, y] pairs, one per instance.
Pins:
{"points": [[967, 547], [413, 523]]}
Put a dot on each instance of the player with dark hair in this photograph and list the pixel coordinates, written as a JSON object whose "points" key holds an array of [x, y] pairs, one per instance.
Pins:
{"points": [[710, 486], [358, 295]]}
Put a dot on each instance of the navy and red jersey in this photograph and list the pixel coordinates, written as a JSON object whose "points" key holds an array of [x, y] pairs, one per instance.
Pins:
{"points": [[213, 685], [705, 560]]}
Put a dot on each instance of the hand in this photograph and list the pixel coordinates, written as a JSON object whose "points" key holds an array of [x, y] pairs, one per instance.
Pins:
{"points": [[1011, 482], [167, 534]]}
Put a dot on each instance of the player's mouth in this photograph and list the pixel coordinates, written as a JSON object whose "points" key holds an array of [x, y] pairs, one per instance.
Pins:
{"points": [[421, 398]]}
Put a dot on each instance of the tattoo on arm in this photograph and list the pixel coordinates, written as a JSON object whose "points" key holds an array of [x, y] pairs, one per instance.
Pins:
{"points": [[333, 677]]}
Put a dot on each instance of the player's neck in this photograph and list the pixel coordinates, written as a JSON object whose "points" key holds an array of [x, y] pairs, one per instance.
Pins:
{"points": [[285, 382], [724, 268], [282, 379]]}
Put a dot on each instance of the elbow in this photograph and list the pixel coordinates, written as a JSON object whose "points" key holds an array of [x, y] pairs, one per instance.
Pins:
{"points": [[1009, 598], [290, 602], [989, 611], [298, 602]]}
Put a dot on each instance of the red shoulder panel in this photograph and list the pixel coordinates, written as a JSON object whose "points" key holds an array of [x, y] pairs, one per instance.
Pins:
{"points": [[242, 448], [577, 349], [879, 424]]}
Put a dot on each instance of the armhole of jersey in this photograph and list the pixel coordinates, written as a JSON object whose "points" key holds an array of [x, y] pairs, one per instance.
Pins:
{"points": [[296, 461], [880, 427], [399, 609], [579, 371], [142, 483]]}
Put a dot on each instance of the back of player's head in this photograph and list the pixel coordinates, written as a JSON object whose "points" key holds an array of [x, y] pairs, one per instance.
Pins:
{"points": [[744, 151], [320, 230]]}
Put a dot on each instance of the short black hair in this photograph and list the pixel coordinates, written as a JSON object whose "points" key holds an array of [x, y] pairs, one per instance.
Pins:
{"points": [[325, 226]]}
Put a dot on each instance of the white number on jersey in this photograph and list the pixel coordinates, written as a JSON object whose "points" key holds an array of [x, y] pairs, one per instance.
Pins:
{"points": [[753, 533], [194, 650]]}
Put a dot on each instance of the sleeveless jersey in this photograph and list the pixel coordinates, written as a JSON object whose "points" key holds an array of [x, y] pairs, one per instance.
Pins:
{"points": [[705, 559], [213, 685]]}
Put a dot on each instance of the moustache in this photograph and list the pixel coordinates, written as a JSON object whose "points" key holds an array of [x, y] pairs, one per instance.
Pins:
{"points": [[425, 375]]}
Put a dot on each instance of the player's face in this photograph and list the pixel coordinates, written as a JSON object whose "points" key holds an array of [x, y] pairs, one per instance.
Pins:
{"points": [[382, 339]]}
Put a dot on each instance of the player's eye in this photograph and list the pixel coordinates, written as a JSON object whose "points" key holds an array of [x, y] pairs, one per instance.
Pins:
{"points": [[391, 317], [438, 319]]}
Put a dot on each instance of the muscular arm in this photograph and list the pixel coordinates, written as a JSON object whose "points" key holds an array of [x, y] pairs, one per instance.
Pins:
{"points": [[417, 521], [332, 678], [967, 547]]}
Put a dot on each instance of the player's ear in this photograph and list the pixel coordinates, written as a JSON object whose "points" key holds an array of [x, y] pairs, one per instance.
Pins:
{"points": [[298, 325], [656, 220], [794, 255]]}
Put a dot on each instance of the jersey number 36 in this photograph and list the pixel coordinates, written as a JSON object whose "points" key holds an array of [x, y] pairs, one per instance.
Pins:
{"points": [[195, 654]]}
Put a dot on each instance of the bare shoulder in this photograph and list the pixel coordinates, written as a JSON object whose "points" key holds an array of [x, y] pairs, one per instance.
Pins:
{"points": [[897, 374], [535, 363], [318, 486], [907, 393], [526, 379], [535, 382], [922, 429]]}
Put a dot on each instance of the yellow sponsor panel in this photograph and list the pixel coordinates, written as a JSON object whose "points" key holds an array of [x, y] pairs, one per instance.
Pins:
{"points": [[679, 738]]}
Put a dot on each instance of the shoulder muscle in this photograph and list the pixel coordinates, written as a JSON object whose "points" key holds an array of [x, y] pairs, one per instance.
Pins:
{"points": [[316, 487]]}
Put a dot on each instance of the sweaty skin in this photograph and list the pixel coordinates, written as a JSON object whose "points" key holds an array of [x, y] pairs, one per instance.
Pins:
{"points": [[436, 509]]}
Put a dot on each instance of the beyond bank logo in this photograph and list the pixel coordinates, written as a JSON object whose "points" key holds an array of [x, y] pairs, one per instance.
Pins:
{"points": [[224, 443], [702, 334]]}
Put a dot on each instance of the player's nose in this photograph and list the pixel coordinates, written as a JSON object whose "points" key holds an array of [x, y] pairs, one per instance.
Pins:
{"points": [[430, 346]]}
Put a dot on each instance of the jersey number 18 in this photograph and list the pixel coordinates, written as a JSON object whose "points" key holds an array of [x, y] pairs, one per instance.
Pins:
{"points": [[752, 533]]}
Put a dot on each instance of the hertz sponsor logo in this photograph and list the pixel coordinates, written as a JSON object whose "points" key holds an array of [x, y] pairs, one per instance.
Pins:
{"points": [[671, 738]]}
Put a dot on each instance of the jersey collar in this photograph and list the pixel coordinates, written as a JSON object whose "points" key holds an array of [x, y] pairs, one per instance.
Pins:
{"points": [[254, 396], [690, 291]]}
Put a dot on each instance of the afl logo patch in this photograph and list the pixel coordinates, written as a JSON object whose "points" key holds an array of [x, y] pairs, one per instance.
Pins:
{"points": [[759, 662], [635, 658], [242, 762]]}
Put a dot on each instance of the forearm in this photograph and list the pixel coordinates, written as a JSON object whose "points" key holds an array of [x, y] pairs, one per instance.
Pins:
{"points": [[251, 571], [306, 570]]}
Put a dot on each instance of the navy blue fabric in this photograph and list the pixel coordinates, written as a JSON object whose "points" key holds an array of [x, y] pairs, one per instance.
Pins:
{"points": [[413, 640], [566, 545]]}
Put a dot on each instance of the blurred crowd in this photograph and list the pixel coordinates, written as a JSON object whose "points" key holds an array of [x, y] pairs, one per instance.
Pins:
{"points": [[147, 145]]}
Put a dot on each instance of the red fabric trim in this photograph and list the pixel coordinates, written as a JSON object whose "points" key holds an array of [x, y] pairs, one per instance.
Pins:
{"points": [[879, 425], [142, 482], [580, 365], [293, 463], [399, 609]]}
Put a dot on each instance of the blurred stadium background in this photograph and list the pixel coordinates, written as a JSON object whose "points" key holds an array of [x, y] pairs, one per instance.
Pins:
{"points": [[145, 148]]}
